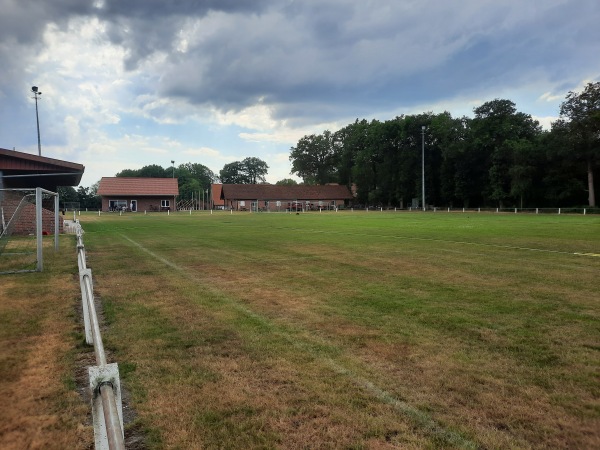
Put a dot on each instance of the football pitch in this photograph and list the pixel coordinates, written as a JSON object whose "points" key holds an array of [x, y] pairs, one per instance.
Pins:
{"points": [[353, 330]]}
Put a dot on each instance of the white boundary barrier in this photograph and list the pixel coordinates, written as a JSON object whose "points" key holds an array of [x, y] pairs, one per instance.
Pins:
{"points": [[105, 386]]}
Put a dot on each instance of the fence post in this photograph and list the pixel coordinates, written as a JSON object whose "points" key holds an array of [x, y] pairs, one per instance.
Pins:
{"points": [[84, 301], [104, 379]]}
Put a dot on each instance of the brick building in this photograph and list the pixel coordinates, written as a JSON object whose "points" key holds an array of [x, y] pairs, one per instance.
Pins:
{"points": [[138, 194]]}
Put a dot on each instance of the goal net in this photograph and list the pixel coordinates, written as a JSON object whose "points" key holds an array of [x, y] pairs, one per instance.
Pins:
{"points": [[29, 223]]}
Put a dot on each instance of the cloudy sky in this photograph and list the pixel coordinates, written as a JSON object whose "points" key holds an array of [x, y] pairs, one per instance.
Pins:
{"points": [[128, 83]]}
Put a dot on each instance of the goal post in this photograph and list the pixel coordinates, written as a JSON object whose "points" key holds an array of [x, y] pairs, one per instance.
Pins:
{"points": [[27, 215]]}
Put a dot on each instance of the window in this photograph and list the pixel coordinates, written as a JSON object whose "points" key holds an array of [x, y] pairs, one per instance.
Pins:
{"points": [[117, 205], [165, 203]]}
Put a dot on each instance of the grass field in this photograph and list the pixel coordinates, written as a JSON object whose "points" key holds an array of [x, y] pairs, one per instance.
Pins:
{"points": [[354, 330]]}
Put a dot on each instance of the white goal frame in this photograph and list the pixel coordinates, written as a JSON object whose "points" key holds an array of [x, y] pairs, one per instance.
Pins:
{"points": [[38, 223]]}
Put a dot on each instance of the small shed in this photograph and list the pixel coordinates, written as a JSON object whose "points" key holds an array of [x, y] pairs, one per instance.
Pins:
{"points": [[138, 194]]}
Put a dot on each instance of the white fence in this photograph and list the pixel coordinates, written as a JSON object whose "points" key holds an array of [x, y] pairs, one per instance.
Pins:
{"points": [[105, 386]]}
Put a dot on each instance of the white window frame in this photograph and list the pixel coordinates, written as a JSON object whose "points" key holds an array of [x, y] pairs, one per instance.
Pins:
{"points": [[165, 203], [115, 205]]}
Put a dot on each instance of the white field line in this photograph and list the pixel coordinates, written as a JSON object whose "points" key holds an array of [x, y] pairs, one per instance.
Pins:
{"points": [[419, 417]]}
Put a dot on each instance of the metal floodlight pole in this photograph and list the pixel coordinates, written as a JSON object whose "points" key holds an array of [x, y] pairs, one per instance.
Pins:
{"points": [[36, 92], [423, 164], [173, 163]]}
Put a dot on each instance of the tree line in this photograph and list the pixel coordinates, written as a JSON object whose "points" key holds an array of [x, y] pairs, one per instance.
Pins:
{"points": [[501, 157]]}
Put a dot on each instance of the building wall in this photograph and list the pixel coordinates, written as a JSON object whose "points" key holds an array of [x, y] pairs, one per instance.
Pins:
{"points": [[271, 205], [143, 203], [25, 225]]}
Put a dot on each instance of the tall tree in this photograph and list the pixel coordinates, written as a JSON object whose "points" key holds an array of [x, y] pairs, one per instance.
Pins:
{"points": [[193, 178], [251, 170], [582, 111], [314, 159], [256, 169], [234, 173], [498, 130]]}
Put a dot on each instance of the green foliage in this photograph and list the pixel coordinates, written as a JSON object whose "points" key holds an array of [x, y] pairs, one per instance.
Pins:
{"points": [[500, 158], [582, 112], [287, 182], [251, 170], [315, 158]]}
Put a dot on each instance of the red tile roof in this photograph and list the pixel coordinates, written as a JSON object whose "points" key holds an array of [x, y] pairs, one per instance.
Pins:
{"points": [[283, 192], [138, 186], [215, 190]]}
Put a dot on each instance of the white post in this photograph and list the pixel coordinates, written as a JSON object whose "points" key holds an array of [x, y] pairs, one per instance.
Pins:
{"points": [[56, 223], [448, 209], [496, 209], [38, 227], [479, 209], [537, 210], [558, 210], [463, 209], [168, 212], [584, 210], [98, 213], [515, 210]]}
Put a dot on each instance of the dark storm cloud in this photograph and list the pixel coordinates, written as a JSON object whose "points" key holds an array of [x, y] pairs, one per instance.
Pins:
{"points": [[315, 59], [144, 27], [313, 53]]}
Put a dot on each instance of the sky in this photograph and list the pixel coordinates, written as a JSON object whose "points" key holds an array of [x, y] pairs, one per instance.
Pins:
{"points": [[130, 83]]}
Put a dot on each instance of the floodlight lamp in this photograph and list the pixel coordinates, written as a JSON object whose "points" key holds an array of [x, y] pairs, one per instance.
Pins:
{"points": [[34, 89], [423, 127]]}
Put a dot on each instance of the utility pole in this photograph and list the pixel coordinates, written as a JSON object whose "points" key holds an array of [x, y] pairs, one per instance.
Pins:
{"points": [[36, 93], [423, 164]]}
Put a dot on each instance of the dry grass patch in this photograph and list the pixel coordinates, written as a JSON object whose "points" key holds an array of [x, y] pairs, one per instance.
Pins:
{"points": [[265, 337], [41, 408]]}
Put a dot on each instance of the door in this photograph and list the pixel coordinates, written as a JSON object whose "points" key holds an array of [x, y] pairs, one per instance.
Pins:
{"points": [[133, 205]]}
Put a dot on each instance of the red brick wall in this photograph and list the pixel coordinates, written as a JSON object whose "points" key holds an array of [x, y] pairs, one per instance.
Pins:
{"points": [[25, 225]]}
